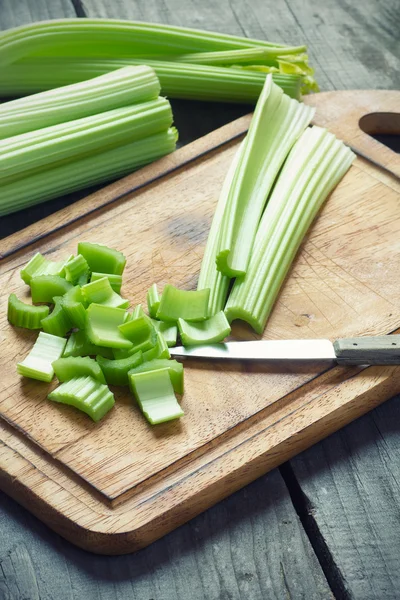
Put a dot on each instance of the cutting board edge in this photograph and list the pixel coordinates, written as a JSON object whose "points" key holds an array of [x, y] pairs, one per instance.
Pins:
{"points": [[112, 533]]}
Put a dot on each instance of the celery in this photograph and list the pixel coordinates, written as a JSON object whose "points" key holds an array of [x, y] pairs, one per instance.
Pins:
{"points": [[315, 165], [25, 315], [175, 370], [266, 56], [27, 153], [45, 287], [38, 363], [188, 305], [79, 345], [153, 300], [159, 350], [76, 268], [115, 280], [77, 366], [140, 331], [39, 265], [155, 395], [122, 87], [168, 330], [138, 312], [101, 292], [116, 371], [75, 305], [102, 259], [86, 394], [277, 123], [214, 329], [88, 170], [57, 322], [102, 326]]}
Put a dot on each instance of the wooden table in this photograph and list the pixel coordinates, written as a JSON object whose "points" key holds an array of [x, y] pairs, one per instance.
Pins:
{"points": [[325, 525]]}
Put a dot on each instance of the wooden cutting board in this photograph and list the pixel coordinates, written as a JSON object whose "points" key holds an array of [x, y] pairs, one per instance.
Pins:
{"points": [[118, 485]]}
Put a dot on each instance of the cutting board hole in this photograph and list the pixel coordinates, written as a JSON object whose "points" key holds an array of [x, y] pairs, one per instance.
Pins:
{"points": [[383, 127]]}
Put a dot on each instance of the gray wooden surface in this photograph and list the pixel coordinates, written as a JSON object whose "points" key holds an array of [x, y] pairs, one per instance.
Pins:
{"points": [[328, 523]]}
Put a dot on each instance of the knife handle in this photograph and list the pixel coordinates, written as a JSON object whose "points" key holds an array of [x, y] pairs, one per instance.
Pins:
{"points": [[379, 350]]}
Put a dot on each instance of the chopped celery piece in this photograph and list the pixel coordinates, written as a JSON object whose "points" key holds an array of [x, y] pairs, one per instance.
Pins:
{"points": [[45, 287], [210, 277], [86, 394], [277, 123], [25, 315], [122, 87], [57, 322], [138, 312], [175, 304], [316, 164], [160, 350], [140, 332], [155, 395], [102, 166], [76, 268], [39, 265], [115, 280], [153, 300], [74, 305], [175, 370], [101, 292], [215, 329], [77, 366], [168, 330], [116, 371], [38, 363], [102, 326], [79, 345], [83, 279], [102, 259]]}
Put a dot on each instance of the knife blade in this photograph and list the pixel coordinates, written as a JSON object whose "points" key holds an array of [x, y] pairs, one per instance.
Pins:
{"points": [[377, 350]]}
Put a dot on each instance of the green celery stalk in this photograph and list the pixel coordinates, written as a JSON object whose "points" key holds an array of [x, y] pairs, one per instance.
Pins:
{"points": [[316, 164], [45, 287], [122, 87], [98, 168], [25, 315], [277, 123], [79, 345], [102, 259], [24, 154], [140, 331], [215, 329], [77, 366], [138, 312], [175, 370], [101, 292], [57, 322], [102, 326], [153, 300], [155, 395], [159, 350], [76, 268], [75, 305], [115, 280], [116, 371], [188, 305], [169, 331], [265, 56], [86, 394], [39, 265], [38, 363], [178, 80]]}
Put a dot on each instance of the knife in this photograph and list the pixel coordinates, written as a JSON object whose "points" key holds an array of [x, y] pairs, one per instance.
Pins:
{"points": [[381, 350]]}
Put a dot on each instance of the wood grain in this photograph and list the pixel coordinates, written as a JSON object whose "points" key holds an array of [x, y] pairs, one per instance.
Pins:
{"points": [[128, 473]]}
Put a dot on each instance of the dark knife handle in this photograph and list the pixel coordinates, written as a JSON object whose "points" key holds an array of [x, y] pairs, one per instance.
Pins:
{"points": [[380, 350]]}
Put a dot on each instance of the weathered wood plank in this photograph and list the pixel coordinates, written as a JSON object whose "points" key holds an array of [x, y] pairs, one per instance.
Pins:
{"points": [[351, 490], [250, 546], [14, 13]]}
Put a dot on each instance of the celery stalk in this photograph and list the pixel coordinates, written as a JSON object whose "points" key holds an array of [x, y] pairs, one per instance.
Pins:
{"points": [[159, 350], [155, 395], [175, 370], [79, 345], [122, 87], [212, 330], [140, 331], [85, 394], [168, 330], [116, 371], [115, 280], [77, 366], [40, 265], [316, 164], [101, 258], [101, 292], [75, 305], [25, 315], [57, 322], [277, 123], [265, 56], [38, 363], [76, 268], [45, 287], [153, 300], [188, 305], [102, 326]]}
